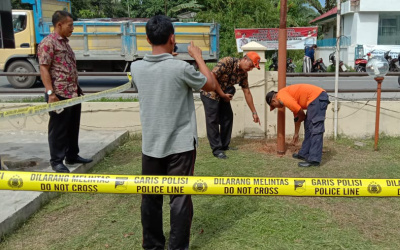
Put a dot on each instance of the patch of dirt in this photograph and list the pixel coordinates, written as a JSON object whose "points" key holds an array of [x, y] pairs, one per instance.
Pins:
{"points": [[269, 146]]}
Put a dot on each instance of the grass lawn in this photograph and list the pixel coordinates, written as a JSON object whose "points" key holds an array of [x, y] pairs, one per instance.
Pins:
{"points": [[112, 221]]}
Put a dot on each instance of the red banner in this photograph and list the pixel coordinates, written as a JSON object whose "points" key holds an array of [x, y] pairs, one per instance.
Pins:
{"points": [[297, 38]]}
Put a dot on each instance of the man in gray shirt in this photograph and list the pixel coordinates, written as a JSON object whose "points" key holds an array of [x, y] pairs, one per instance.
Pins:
{"points": [[169, 131]]}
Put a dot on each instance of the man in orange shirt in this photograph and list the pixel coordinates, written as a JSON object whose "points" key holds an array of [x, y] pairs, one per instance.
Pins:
{"points": [[297, 98]]}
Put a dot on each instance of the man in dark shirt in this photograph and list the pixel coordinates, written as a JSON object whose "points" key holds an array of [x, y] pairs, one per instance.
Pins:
{"points": [[308, 58], [219, 116]]}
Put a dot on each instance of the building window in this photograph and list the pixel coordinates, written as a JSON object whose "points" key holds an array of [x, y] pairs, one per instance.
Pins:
{"points": [[389, 29]]}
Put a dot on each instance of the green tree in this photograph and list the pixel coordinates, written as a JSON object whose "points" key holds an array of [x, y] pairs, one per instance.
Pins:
{"points": [[16, 4], [190, 6], [329, 4], [231, 14]]}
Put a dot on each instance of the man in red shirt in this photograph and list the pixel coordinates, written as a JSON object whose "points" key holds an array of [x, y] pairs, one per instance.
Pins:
{"points": [[60, 78], [315, 100]]}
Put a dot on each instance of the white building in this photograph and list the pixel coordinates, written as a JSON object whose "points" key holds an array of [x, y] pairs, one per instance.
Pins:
{"points": [[366, 25]]}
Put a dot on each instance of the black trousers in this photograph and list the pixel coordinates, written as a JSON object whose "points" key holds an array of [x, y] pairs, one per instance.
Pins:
{"points": [[219, 123], [181, 206], [314, 128], [63, 133]]}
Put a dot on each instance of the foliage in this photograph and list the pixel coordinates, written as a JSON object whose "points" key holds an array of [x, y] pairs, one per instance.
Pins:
{"points": [[250, 14], [16, 4], [192, 6], [329, 4]]}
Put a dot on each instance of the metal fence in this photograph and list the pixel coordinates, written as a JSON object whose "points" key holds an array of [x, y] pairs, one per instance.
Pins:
{"points": [[331, 42]]}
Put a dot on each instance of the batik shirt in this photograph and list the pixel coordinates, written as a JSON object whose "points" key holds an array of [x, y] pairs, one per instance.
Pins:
{"points": [[228, 74], [55, 51]]}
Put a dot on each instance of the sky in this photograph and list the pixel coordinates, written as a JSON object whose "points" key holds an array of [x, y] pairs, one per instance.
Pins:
{"points": [[322, 2]]}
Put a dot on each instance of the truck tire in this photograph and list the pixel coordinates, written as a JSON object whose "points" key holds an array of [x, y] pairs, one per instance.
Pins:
{"points": [[21, 82]]}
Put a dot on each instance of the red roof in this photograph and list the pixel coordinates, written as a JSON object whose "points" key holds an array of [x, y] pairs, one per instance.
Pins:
{"points": [[326, 15]]}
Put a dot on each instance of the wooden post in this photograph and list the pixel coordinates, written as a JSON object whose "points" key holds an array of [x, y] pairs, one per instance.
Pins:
{"points": [[281, 147], [379, 80]]}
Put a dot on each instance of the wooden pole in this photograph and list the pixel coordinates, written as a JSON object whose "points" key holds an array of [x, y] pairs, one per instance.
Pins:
{"points": [[281, 148], [379, 80]]}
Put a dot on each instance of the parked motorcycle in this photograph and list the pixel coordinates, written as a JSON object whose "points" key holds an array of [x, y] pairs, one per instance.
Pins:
{"points": [[393, 63], [318, 66], [332, 59], [290, 66], [274, 64], [361, 63]]}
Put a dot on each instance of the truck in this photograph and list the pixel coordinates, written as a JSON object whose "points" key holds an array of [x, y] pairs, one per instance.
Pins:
{"points": [[100, 45], [6, 32]]}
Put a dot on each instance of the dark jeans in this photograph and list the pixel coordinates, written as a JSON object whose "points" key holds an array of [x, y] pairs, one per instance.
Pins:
{"points": [[314, 128], [219, 123], [63, 133], [181, 206]]}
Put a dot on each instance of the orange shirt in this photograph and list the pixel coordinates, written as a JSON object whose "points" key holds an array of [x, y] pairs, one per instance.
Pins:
{"points": [[298, 96]]}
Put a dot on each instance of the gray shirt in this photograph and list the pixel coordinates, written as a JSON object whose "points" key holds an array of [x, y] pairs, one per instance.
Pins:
{"points": [[166, 103]]}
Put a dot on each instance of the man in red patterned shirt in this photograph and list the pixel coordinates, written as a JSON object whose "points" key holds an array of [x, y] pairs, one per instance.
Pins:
{"points": [[60, 78]]}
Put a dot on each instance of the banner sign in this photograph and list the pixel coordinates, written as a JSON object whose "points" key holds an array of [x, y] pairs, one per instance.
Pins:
{"points": [[297, 38], [379, 50], [198, 185]]}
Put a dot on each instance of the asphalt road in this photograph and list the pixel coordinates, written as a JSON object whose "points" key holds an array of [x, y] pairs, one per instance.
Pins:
{"points": [[349, 87]]}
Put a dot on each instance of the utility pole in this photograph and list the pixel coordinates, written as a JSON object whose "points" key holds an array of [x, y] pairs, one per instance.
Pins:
{"points": [[281, 148], [337, 55]]}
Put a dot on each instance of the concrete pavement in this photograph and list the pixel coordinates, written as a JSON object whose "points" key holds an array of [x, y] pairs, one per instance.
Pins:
{"points": [[29, 151]]}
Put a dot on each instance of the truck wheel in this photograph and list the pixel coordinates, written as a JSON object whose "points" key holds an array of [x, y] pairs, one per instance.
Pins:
{"points": [[21, 82]]}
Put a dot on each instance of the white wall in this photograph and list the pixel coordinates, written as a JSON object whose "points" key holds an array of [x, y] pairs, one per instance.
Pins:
{"points": [[381, 5], [346, 55], [367, 28]]}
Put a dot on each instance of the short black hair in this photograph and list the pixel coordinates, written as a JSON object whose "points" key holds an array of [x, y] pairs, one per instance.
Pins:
{"points": [[59, 16], [158, 29]]}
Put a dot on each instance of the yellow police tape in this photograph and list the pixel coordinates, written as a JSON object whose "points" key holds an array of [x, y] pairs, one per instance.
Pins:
{"points": [[39, 109], [139, 184]]}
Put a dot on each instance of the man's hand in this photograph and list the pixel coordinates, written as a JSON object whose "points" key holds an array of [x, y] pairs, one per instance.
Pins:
{"points": [[53, 98], [295, 139], [301, 116], [256, 119], [194, 51], [80, 91], [227, 97]]}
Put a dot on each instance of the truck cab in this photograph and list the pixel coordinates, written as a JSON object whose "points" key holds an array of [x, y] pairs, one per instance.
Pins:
{"points": [[22, 58]]}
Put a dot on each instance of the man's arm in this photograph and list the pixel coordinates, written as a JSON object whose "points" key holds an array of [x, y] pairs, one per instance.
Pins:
{"points": [[195, 53], [46, 79], [299, 118], [249, 100], [226, 97]]}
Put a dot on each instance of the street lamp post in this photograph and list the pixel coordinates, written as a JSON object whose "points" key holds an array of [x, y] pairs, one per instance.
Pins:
{"points": [[377, 67]]}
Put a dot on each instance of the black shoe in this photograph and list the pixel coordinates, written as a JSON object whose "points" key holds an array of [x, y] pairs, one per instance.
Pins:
{"points": [[78, 159], [60, 168], [299, 157], [221, 155], [231, 148], [306, 164]]}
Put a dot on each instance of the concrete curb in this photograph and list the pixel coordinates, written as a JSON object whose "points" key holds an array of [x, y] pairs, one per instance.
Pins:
{"points": [[35, 200]]}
